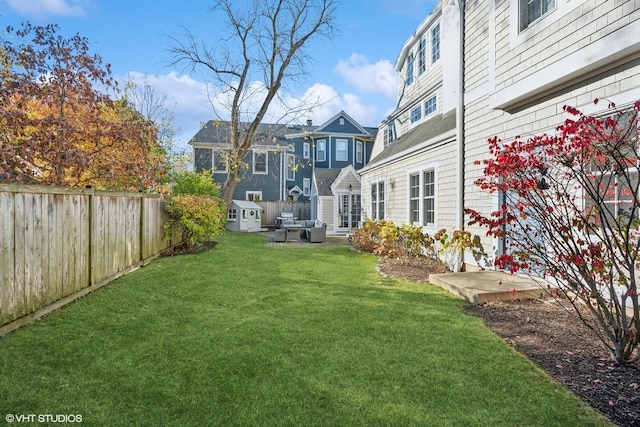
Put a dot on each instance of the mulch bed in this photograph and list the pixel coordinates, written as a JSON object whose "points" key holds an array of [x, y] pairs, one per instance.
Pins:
{"points": [[551, 335]]}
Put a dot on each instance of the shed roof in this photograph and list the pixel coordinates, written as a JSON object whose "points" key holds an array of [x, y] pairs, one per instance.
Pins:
{"points": [[421, 133]]}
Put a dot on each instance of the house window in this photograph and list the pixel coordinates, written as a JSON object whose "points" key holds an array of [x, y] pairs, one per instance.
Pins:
{"points": [[254, 196], [422, 197], [341, 150], [615, 191], [306, 150], [359, 151], [430, 106], [219, 160], [389, 134], [291, 167], [422, 61], [321, 150], [232, 215], [429, 198], [435, 43], [410, 61], [414, 198], [259, 162], [377, 200], [416, 114], [532, 10], [341, 121], [306, 186]]}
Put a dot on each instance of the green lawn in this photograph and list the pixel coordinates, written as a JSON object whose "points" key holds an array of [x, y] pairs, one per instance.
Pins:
{"points": [[246, 335]]}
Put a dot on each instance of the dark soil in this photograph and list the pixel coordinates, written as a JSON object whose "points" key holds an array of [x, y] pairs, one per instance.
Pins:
{"points": [[550, 334]]}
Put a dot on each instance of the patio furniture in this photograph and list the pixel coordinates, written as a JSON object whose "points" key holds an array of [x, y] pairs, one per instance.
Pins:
{"points": [[280, 235]]}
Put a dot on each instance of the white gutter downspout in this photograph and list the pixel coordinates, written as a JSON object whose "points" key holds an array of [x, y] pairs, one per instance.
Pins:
{"points": [[460, 122]]}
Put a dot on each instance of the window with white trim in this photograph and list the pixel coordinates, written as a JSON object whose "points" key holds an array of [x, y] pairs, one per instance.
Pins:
{"points": [[429, 198], [219, 161], [306, 150], [414, 198], [389, 134], [616, 190], [416, 114], [291, 167], [259, 162], [430, 106], [435, 43], [422, 56], [342, 150], [422, 197], [377, 200], [232, 215], [321, 150], [532, 10], [254, 196], [306, 186], [359, 151], [410, 64]]}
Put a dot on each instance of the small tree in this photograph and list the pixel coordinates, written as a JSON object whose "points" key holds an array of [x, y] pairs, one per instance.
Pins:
{"points": [[570, 215], [59, 127]]}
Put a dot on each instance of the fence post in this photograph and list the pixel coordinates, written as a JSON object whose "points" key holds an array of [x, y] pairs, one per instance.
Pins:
{"points": [[91, 192]]}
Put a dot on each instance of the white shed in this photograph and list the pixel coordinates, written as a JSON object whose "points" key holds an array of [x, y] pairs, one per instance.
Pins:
{"points": [[244, 215]]}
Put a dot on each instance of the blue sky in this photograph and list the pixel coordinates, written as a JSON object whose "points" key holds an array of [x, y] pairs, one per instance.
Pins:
{"points": [[353, 72]]}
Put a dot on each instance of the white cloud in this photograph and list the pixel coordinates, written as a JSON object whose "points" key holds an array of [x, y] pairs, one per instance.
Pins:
{"points": [[41, 8], [186, 98], [380, 77], [191, 105]]}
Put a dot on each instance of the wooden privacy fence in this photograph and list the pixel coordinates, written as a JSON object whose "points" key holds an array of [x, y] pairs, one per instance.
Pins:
{"points": [[272, 210], [57, 244]]}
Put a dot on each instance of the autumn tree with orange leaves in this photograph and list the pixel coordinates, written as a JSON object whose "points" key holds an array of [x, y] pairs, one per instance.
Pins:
{"points": [[58, 124]]}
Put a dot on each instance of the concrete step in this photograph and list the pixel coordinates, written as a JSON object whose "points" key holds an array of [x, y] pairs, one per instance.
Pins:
{"points": [[479, 287]]}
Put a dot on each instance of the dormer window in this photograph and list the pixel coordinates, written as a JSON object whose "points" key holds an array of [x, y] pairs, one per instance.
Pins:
{"points": [[435, 43], [410, 63], [422, 61]]}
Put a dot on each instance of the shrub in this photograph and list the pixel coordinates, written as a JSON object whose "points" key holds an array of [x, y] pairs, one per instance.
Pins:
{"points": [[196, 184], [202, 218], [386, 239]]}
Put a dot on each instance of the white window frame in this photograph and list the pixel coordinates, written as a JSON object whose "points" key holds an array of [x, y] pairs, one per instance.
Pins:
{"points": [[411, 59], [377, 199], [389, 134], [232, 215], [342, 150], [251, 196], [525, 20], [422, 56], [416, 114], [306, 150], [266, 162], [431, 106], [421, 197], [428, 197], [321, 150], [306, 186], [517, 36], [214, 164], [291, 167], [359, 151], [435, 43]]}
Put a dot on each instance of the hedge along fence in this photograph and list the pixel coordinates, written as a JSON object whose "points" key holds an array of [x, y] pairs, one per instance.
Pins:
{"points": [[58, 244]]}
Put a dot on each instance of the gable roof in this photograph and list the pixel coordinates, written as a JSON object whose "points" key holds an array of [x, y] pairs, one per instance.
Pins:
{"points": [[323, 178], [430, 129], [218, 132], [332, 127]]}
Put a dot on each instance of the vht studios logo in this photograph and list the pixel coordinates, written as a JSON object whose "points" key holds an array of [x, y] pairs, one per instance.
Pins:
{"points": [[43, 418]]}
